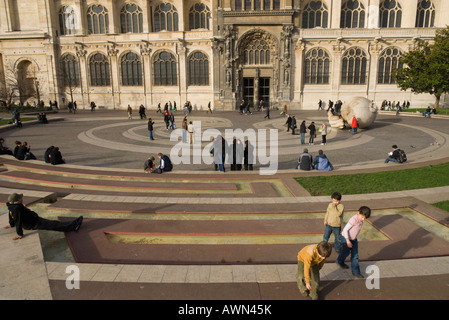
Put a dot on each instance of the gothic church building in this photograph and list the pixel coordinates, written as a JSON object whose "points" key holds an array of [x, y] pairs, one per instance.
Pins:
{"points": [[286, 52]]}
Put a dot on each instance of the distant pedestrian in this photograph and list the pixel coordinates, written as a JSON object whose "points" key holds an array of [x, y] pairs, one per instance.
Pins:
{"points": [[130, 112], [354, 125], [312, 131], [323, 131], [150, 128], [303, 131]]}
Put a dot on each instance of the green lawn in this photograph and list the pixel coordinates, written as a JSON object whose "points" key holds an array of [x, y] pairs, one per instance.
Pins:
{"points": [[442, 111], [442, 205], [409, 179], [5, 121]]}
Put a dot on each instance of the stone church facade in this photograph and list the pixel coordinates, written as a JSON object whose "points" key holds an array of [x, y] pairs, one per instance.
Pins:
{"points": [[286, 52]]}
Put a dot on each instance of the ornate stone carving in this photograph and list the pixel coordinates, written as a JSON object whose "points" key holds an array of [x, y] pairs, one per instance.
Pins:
{"points": [[80, 52], [145, 49], [111, 49]]}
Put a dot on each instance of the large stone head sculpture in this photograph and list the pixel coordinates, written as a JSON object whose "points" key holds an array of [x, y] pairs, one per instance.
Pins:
{"points": [[363, 109]]}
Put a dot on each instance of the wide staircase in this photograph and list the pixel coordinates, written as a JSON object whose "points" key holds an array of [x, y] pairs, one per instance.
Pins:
{"points": [[208, 219]]}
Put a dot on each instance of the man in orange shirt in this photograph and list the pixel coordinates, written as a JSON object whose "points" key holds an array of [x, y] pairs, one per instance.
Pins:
{"points": [[310, 261]]}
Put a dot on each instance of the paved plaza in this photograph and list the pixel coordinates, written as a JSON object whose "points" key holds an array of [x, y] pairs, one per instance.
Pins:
{"points": [[197, 234]]}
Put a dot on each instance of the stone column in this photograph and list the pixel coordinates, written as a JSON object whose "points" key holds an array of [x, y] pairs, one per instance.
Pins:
{"points": [[298, 79], [113, 15], [409, 14], [112, 53], [374, 49], [145, 52], [181, 50], [372, 14], [335, 14], [6, 16], [338, 50], [286, 70], [84, 81]]}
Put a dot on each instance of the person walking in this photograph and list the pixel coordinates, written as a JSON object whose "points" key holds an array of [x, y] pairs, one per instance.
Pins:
{"points": [[130, 112]]}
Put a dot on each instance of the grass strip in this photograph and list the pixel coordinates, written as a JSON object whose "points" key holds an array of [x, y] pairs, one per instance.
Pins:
{"points": [[419, 178], [444, 205], [5, 121]]}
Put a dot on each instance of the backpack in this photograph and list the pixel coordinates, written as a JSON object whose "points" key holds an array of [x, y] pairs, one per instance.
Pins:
{"points": [[402, 156]]}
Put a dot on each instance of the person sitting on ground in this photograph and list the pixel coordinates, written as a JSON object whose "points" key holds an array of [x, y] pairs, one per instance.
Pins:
{"points": [[165, 164], [21, 218], [3, 149], [56, 157], [28, 154], [393, 155], [149, 164], [16, 148], [322, 163], [20, 150], [47, 154], [42, 117], [427, 112], [305, 161]]}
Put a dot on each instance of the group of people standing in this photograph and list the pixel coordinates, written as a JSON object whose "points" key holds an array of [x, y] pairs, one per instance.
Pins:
{"points": [[312, 128], [395, 105], [334, 107], [239, 154]]}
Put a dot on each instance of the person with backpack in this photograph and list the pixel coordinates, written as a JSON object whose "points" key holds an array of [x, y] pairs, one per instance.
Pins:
{"points": [[397, 155]]}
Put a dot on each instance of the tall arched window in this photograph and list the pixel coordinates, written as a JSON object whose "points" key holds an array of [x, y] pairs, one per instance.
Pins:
{"points": [[199, 17], [352, 14], [353, 69], [131, 19], [276, 4], [70, 70], [425, 14], [317, 67], [238, 5], [165, 17], [315, 14], [97, 20], [131, 69], [165, 69], [256, 52], [99, 70], [67, 21], [198, 69], [390, 14], [388, 61]]}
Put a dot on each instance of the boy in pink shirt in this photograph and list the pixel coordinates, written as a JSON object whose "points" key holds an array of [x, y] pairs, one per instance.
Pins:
{"points": [[349, 243]]}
